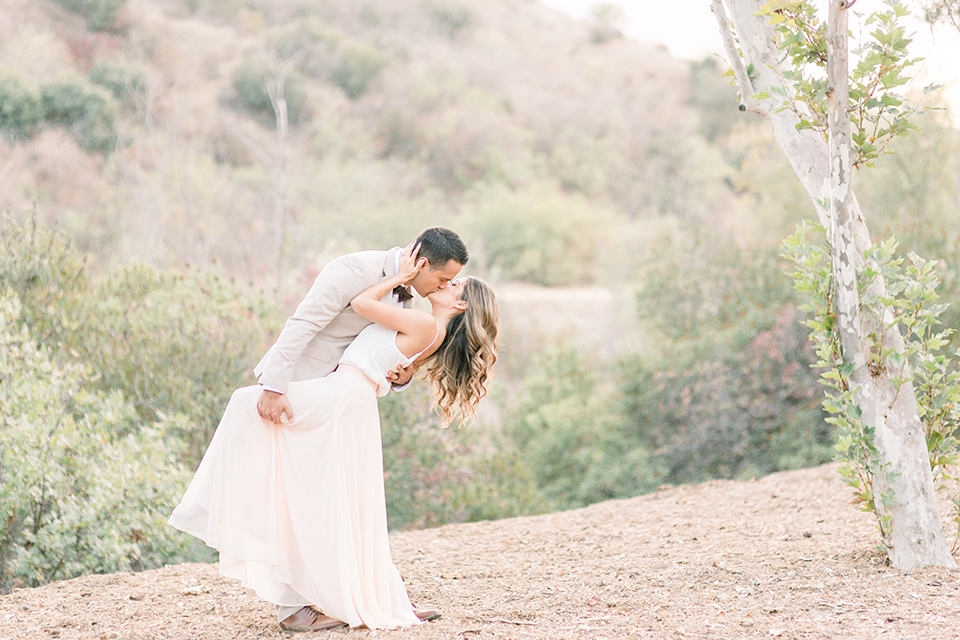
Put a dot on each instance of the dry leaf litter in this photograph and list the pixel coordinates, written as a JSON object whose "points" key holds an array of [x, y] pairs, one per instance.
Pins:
{"points": [[784, 557]]}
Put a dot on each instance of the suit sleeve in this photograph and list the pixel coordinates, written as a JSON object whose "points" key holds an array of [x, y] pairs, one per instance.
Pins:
{"points": [[338, 283]]}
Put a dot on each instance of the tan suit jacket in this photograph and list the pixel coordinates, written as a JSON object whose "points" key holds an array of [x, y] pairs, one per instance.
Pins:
{"points": [[316, 335]]}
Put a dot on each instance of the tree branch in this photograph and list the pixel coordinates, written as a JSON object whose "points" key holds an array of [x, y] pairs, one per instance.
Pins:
{"points": [[735, 60]]}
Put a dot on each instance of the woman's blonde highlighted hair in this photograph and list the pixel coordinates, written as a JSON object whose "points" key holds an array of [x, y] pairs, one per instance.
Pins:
{"points": [[463, 365]]}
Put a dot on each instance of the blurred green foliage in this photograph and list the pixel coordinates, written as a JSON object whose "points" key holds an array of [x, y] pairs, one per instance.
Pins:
{"points": [[87, 111], [84, 486], [539, 234], [174, 344], [125, 82], [251, 80], [324, 52], [574, 438], [21, 108], [358, 65], [101, 15], [86, 482], [450, 17], [730, 393], [434, 476]]}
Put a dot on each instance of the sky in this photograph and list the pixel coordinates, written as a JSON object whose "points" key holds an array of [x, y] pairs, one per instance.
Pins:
{"points": [[689, 31]]}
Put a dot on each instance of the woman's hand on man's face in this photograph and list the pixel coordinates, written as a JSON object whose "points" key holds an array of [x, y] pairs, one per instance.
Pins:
{"points": [[410, 263]]}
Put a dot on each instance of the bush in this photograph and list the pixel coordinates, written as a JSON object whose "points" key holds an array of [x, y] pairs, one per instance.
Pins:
{"points": [[539, 235], [172, 344], [83, 488], [436, 476], [88, 112], [124, 82], [731, 393], [330, 55], [223, 10], [450, 18], [249, 83], [100, 15], [21, 109], [572, 436], [47, 278], [111, 391], [358, 66], [605, 20]]}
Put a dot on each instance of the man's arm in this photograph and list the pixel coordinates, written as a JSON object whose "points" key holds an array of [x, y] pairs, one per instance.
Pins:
{"points": [[330, 294]]}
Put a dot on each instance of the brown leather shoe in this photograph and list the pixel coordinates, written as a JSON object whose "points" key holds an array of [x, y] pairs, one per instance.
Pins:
{"points": [[309, 619], [426, 615]]}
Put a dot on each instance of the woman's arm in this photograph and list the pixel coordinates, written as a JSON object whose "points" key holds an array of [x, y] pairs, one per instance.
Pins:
{"points": [[418, 327]]}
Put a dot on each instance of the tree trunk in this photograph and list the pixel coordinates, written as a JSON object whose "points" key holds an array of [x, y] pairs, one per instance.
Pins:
{"points": [[276, 88], [914, 535]]}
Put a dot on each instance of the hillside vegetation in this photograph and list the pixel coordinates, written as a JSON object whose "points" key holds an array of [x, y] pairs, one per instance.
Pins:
{"points": [[401, 114]]}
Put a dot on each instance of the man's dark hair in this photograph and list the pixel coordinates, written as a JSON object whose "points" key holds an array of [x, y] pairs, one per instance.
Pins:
{"points": [[439, 245]]}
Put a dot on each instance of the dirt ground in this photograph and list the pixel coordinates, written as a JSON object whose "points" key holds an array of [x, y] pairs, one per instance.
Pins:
{"points": [[783, 556]]}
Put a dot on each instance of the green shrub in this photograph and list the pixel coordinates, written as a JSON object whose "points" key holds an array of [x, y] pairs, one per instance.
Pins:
{"points": [[572, 436], [311, 38], [730, 393], [250, 84], [100, 15], [419, 462], [605, 20], [224, 10], [328, 54], [450, 17], [45, 275], [124, 82], [538, 235], [111, 391], [176, 344], [21, 109], [83, 487], [88, 112], [172, 344], [358, 66], [436, 476]]}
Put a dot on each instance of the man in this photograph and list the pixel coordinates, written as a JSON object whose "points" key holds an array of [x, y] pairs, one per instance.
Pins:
{"points": [[316, 335]]}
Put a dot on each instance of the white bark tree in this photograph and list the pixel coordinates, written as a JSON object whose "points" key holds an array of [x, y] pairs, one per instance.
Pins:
{"points": [[275, 74], [276, 88], [904, 491]]}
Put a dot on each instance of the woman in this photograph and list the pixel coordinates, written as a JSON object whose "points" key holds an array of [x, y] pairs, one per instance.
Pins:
{"points": [[297, 511]]}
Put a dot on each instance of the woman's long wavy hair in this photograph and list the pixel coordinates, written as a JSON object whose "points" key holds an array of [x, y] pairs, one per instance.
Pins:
{"points": [[463, 365]]}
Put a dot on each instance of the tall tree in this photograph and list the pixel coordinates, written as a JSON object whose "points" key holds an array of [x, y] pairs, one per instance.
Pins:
{"points": [[811, 119]]}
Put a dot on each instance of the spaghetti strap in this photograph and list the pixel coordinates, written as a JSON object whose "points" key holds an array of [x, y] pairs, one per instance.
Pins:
{"points": [[417, 355]]}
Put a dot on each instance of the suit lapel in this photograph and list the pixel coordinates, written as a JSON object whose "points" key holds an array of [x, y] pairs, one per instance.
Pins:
{"points": [[389, 267]]}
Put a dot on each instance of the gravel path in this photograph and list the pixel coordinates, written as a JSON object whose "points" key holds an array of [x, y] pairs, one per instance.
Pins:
{"points": [[783, 556]]}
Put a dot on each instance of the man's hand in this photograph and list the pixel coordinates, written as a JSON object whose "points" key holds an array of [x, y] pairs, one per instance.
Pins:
{"points": [[272, 406], [402, 375]]}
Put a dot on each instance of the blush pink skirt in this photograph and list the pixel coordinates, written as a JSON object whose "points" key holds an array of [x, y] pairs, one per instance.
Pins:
{"points": [[298, 512]]}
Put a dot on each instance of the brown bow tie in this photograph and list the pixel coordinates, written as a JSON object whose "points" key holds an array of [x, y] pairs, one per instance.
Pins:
{"points": [[403, 294]]}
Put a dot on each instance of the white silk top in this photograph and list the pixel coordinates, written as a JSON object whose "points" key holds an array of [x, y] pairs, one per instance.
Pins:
{"points": [[375, 353]]}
